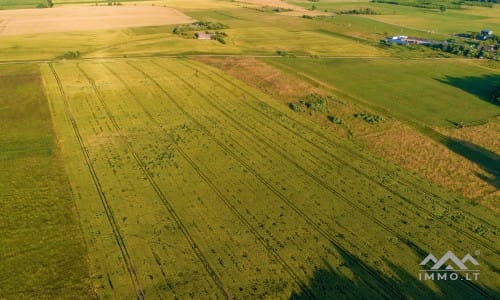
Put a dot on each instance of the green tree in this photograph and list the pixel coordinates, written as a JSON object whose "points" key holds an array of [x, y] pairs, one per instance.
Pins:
{"points": [[442, 8]]}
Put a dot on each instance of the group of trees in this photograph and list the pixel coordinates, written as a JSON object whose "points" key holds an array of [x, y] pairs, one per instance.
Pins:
{"points": [[359, 11], [486, 49], [196, 26]]}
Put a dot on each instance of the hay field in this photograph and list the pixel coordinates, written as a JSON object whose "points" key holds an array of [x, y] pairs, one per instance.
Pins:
{"points": [[86, 18]]}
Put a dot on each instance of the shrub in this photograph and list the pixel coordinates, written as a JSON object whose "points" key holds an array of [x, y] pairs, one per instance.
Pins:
{"points": [[335, 120], [282, 52], [370, 119], [71, 54], [315, 102]]}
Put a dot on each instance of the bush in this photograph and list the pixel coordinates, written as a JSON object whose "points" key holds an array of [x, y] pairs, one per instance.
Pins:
{"points": [[315, 102], [71, 54], [282, 52], [335, 120], [311, 102], [370, 119]]}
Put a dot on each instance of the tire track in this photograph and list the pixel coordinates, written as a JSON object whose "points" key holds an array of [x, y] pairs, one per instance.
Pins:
{"points": [[271, 251], [309, 221], [343, 163], [319, 181], [158, 191], [107, 208], [409, 243]]}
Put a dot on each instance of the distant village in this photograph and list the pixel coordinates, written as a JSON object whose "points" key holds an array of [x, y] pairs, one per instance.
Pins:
{"points": [[480, 45]]}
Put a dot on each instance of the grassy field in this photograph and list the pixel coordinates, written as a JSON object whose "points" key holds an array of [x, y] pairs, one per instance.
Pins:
{"points": [[433, 92], [42, 252], [137, 170], [235, 219], [392, 139], [451, 21]]}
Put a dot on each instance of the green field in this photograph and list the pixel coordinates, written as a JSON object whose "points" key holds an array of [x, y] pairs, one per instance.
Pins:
{"points": [[42, 252], [239, 195], [409, 18], [136, 171], [433, 92]]}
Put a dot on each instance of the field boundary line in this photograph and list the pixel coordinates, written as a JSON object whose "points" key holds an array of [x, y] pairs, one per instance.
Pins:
{"points": [[107, 208]]}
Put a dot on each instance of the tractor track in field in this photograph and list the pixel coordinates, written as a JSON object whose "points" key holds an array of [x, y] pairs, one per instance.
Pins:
{"points": [[270, 250], [319, 181], [410, 244], [209, 269], [107, 208], [342, 163], [386, 188], [282, 197]]}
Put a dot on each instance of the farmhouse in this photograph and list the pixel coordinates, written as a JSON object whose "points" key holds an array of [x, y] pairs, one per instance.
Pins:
{"points": [[203, 36]]}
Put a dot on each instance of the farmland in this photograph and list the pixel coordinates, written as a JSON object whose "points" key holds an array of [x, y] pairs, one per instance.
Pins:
{"points": [[446, 93], [299, 159], [42, 248], [134, 132]]}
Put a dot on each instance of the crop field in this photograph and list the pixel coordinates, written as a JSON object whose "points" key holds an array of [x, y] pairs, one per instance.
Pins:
{"points": [[64, 19], [293, 155], [436, 94], [42, 252], [180, 172]]}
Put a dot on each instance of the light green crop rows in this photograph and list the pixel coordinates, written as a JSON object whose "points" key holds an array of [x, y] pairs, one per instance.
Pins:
{"points": [[191, 185]]}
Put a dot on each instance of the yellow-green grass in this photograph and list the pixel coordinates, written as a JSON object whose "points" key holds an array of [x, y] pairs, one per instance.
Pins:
{"points": [[433, 92], [42, 251], [274, 33], [213, 188], [428, 20]]}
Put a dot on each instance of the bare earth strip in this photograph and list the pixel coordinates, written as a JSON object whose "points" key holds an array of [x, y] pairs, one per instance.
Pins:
{"points": [[82, 18]]}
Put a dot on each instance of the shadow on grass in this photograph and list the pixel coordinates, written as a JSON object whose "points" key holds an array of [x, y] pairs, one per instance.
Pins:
{"points": [[369, 283], [487, 160], [480, 86]]}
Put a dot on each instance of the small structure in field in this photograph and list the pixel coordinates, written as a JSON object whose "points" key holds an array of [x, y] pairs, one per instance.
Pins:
{"points": [[405, 40], [486, 32], [203, 36]]}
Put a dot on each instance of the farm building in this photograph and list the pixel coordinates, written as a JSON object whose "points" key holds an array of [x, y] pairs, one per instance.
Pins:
{"points": [[203, 36], [486, 32], [405, 40]]}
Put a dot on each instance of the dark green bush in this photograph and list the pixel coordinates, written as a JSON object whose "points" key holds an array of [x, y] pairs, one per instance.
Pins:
{"points": [[371, 119], [335, 120]]}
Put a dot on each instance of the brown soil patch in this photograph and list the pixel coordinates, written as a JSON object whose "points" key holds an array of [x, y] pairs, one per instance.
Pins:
{"points": [[87, 18], [392, 140]]}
